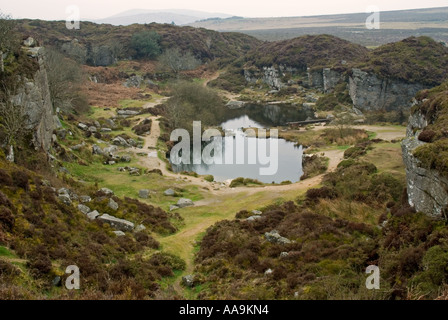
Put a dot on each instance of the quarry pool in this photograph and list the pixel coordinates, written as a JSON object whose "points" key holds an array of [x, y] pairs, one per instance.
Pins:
{"points": [[286, 165]]}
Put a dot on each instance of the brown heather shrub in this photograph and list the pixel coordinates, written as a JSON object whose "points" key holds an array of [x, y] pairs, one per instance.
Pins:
{"points": [[40, 266], [5, 178], [7, 219], [427, 135], [321, 193], [20, 179]]}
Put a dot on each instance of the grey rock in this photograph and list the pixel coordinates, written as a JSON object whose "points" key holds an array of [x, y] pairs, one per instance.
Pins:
{"points": [[77, 147], [173, 207], [370, 93], [10, 156], [139, 228], [284, 254], [276, 238], [169, 192], [120, 224], [235, 104], [62, 133], [257, 212], [126, 158], [188, 281], [183, 202], [65, 199], [93, 215], [144, 193], [97, 150], [111, 123], [127, 112], [106, 129], [427, 189], [65, 191], [83, 127], [253, 218], [268, 272], [110, 151], [83, 208], [85, 199], [97, 124], [119, 233], [107, 191], [29, 42], [112, 204], [56, 281], [92, 129], [119, 141]]}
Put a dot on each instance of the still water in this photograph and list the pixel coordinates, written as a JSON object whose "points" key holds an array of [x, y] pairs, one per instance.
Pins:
{"points": [[288, 162]]}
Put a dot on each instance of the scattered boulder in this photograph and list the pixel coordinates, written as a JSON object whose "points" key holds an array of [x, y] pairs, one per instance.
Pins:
{"points": [[169, 192], [85, 199], [284, 254], [257, 212], [268, 272], [111, 123], [119, 233], [235, 104], [62, 133], [106, 129], [119, 141], [93, 215], [126, 158], [83, 127], [63, 191], [83, 208], [120, 224], [56, 281], [139, 228], [110, 150], [112, 204], [77, 147], [65, 198], [97, 124], [144, 193], [188, 281], [127, 112], [173, 207], [275, 237], [106, 191], [92, 129], [97, 150], [183, 202], [253, 218]]}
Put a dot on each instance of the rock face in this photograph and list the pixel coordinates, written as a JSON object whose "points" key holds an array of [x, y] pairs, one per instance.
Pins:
{"points": [[370, 93], [269, 75], [34, 95], [427, 189]]}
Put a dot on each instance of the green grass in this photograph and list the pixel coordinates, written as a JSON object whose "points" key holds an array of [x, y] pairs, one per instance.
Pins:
{"points": [[125, 185], [132, 103], [4, 252]]}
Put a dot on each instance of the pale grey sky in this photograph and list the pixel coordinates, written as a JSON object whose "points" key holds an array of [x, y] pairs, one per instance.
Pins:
{"points": [[55, 9]]}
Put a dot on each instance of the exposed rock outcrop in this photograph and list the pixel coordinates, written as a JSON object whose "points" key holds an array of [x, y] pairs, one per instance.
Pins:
{"points": [[427, 189], [34, 95], [371, 93]]}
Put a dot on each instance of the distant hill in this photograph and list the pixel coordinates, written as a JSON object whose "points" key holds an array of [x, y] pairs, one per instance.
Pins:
{"points": [[395, 26], [142, 16]]}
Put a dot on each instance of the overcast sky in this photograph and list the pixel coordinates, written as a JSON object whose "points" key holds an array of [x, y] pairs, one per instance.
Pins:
{"points": [[55, 9]]}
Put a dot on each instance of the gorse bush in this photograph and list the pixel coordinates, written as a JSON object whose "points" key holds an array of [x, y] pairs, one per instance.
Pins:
{"points": [[146, 44]]}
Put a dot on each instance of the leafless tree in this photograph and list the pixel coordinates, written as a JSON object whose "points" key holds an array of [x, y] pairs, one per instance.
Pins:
{"points": [[64, 76], [175, 61], [13, 117], [7, 37]]}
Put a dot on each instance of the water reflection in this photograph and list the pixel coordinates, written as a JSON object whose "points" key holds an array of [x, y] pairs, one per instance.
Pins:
{"points": [[254, 116]]}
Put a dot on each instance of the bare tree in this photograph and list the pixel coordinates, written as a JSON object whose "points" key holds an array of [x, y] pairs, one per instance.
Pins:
{"points": [[64, 77], [13, 119], [7, 37], [175, 61]]}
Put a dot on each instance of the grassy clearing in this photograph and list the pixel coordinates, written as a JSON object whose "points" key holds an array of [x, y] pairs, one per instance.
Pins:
{"points": [[387, 157], [4, 252], [125, 185]]}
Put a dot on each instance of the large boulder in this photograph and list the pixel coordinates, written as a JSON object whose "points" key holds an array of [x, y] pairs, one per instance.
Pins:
{"points": [[112, 204], [144, 193], [188, 281], [276, 238], [83, 208], [183, 202], [120, 224]]}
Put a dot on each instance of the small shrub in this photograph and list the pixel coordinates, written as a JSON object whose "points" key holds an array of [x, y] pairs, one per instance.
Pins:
{"points": [[20, 179]]}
